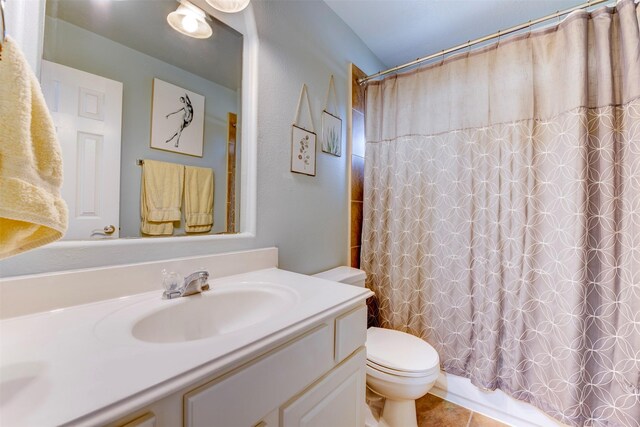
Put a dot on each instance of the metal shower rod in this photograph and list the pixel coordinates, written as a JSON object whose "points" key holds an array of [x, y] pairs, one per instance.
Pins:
{"points": [[470, 43]]}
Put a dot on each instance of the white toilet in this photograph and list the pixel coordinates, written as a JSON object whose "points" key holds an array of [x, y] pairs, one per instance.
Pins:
{"points": [[400, 366]]}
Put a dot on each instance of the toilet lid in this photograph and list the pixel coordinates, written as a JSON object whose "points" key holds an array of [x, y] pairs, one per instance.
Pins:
{"points": [[399, 351]]}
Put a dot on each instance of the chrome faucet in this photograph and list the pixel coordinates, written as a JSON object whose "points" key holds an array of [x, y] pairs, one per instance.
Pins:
{"points": [[194, 283]]}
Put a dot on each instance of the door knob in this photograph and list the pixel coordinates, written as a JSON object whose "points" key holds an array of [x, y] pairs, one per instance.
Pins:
{"points": [[109, 229]]}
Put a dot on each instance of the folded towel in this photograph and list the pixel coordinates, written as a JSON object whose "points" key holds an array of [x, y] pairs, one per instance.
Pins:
{"points": [[198, 199], [160, 196], [32, 212]]}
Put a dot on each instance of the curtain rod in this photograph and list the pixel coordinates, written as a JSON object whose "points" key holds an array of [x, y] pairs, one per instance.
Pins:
{"points": [[470, 43]]}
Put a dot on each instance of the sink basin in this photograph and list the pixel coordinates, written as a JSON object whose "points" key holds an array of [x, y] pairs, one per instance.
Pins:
{"points": [[223, 310]]}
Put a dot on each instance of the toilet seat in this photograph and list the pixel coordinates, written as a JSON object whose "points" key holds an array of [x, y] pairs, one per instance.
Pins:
{"points": [[401, 354], [404, 382], [435, 370]]}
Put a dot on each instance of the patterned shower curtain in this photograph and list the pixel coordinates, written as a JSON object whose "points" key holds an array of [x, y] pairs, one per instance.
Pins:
{"points": [[502, 214]]}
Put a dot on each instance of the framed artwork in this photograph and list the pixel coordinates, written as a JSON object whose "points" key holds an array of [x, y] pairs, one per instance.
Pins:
{"points": [[331, 134], [177, 119], [303, 151]]}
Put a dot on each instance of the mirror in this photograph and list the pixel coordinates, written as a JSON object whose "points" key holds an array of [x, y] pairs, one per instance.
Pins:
{"points": [[99, 55]]}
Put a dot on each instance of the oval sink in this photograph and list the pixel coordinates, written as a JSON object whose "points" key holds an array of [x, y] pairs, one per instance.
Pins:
{"points": [[212, 313]]}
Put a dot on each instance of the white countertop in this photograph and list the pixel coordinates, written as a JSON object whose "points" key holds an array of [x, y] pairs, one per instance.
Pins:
{"points": [[61, 366]]}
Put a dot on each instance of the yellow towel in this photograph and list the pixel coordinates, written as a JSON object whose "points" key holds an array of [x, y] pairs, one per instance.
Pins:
{"points": [[198, 199], [32, 213], [160, 196]]}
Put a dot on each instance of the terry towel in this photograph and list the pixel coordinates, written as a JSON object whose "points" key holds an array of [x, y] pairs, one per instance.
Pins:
{"points": [[32, 212], [198, 199], [160, 196]]}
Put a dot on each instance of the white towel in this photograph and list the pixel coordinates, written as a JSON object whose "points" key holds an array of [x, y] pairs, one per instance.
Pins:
{"points": [[32, 212]]}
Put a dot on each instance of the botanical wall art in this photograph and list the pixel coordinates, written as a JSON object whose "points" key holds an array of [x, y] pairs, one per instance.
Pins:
{"points": [[177, 119], [303, 141], [331, 124], [303, 151]]}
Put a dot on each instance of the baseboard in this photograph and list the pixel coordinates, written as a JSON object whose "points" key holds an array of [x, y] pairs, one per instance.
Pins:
{"points": [[494, 404]]}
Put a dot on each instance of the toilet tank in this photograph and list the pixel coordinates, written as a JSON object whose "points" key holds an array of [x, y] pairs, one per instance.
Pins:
{"points": [[344, 274]]}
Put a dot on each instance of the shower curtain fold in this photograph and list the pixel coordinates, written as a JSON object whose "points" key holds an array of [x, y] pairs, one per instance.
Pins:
{"points": [[502, 214]]}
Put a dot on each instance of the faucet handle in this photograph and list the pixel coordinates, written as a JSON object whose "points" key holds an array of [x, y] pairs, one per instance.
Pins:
{"points": [[171, 281]]}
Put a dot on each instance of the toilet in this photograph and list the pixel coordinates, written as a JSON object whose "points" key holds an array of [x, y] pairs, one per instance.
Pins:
{"points": [[400, 367]]}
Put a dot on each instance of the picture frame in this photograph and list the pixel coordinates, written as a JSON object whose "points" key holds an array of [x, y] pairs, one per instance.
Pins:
{"points": [[177, 119], [303, 151], [331, 134]]}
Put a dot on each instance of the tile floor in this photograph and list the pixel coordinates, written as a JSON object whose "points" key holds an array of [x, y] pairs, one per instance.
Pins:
{"points": [[436, 412]]}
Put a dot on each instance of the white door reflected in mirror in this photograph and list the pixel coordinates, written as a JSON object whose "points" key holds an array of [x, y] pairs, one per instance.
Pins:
{"points": [[87, 113]]}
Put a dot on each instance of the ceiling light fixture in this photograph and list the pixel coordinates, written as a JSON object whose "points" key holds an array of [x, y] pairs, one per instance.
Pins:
{"points": [[190, 20], [229, 6]]}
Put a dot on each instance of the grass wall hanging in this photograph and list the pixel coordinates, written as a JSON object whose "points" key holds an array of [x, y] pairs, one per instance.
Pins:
{"points": [[331, 124]]}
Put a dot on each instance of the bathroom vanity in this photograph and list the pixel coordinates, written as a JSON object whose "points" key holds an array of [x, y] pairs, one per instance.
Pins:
{"points": [[264, 347]]}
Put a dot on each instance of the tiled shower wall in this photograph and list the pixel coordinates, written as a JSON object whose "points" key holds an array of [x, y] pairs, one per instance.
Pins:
{"points": [[357, 164]]}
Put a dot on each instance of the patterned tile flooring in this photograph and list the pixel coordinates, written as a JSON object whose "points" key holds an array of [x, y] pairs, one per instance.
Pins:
{"points": [[436, 412]]}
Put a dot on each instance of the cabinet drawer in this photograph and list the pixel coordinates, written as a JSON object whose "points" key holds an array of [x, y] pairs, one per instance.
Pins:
{"points": [[351, 332], [338, 400], [244, 396]]}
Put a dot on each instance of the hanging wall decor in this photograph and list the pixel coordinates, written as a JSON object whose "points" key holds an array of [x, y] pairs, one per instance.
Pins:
{"points": [[331, 124], [303, 141], [177, 119]]}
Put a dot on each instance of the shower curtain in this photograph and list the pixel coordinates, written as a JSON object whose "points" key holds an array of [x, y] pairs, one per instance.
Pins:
{"points": [[502, 214]]}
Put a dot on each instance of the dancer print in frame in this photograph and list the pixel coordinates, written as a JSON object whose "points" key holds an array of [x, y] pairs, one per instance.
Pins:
{"points": [[187, 117]]}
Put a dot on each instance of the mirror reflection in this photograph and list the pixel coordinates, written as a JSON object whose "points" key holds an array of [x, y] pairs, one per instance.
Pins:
{"points": [[148, 119]]}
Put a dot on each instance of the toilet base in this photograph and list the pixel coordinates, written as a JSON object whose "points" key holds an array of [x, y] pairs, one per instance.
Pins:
{"points": [[400, 413]]}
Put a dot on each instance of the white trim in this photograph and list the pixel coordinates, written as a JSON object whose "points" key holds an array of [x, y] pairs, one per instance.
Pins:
{"points": [[136, 241], [25, 25], [494, 404]]}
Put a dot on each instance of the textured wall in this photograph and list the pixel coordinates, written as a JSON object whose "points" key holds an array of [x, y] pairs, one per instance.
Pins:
{"points": [[305, 217]]}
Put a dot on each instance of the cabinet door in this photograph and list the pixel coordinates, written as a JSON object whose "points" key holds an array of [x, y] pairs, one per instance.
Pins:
{"points": [[337, 400], [242, 398], [351, 332]]}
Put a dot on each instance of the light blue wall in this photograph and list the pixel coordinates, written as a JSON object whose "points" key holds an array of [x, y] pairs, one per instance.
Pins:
{"points": [[305, 217], [78, 48]]}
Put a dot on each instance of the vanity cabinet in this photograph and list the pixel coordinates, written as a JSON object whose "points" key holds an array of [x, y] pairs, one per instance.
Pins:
{"points": [[286, 350], [314, 379]]}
